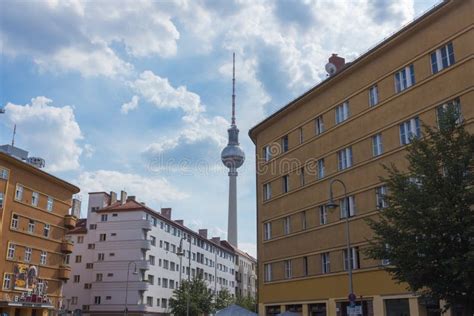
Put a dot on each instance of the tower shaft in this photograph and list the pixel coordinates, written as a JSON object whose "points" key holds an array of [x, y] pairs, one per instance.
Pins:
{"points": [[232, 215]]}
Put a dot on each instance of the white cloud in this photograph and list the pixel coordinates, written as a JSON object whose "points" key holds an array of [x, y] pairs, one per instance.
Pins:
{"points": [[132, 105], [47, 131], [147, 189]]}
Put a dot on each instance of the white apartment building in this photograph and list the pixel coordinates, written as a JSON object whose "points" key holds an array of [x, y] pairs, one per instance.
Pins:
{"points": [[121, 236]]}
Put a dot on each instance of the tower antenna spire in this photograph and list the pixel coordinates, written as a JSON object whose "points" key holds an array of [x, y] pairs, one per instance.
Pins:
{"points": [[233, 88], [13, 136]]}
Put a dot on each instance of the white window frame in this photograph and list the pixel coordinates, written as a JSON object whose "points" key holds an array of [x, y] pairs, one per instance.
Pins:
{"points": [[325, 263], [4, 174], [46, 230], [377, 145], [268, 272], [404, 78], [97, 300], [11, 251], [19, 192], [103, 217], [287, 225], [267, 191], [441, 109], [1, 200], [354, 258], [285, 183], [342, 112], [285, 144], [34, 198], [288, 269], [409, 129], [7, 281], [267, 231], [380, 194], [321, 168], [323, 215], [347, 203], [373, 95], [267, 153], [14, 222], [442, 58], [344, 158], [28, 253], [319, 125], [43, 257], [31, 226], [50, 204]]}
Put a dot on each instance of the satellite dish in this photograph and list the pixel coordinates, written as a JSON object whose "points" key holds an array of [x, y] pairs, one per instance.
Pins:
{"points": [[331, 68]]}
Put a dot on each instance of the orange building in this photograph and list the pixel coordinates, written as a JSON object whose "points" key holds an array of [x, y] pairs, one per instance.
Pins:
{"points": [[361, 117], [36, 209]]}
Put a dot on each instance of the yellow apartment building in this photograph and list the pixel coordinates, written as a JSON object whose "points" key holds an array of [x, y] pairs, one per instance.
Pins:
{"points": [[36, 209], [362, 116]]}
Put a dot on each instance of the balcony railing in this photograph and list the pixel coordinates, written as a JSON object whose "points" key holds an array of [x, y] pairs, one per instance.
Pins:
{"points": [[64, 272], [70, 221], [67, 246]]}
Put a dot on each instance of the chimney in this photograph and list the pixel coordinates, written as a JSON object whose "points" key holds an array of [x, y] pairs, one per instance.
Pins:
{"points": [[203, 233], [131, 198], [216, 239], [123, 197], [166, 212], [113, 197], [337, 61], [180, 222]]}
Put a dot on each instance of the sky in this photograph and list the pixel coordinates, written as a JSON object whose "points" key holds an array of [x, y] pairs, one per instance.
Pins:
{"points": [[136, 95]]}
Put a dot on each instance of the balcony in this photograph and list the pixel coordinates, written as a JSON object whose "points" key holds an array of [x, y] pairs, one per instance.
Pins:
{"points": [[67, 246], [64, 272], [70, 221]]}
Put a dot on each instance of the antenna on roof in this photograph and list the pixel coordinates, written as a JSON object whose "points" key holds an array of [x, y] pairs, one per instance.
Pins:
{"points": [[233, 88], [13, 136]]}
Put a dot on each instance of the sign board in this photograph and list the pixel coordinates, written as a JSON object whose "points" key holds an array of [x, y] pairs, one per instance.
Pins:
{"points": [[354, 311]]}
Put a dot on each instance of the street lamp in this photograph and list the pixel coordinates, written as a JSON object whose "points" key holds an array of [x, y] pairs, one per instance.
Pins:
{"points": [[135, 272], [332, 205], [181, 252]]}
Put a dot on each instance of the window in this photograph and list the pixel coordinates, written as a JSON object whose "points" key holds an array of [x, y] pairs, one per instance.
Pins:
{"points": [[287, 225], [14, 224], [267, 231], [87, 286], [92, 226], [46, 230], [89, 266], [442, 58], [98, 277], [323, 215], [319, 125], [11, 251], [1, 200], [344, 157], [151, 279], [149, 301], [4, 174], [151, 259], [100, 257], [284, 144], [302, 182], [28, 252], [102, 237], [19, 192], [347, 206], [34, 198], [377, 147], [268, 272], [31, 226], [77, 278], [386, 262], [7, 281], [97, 300], [78, 259], [380, 194], [285, 183], [342, 112], [74, 300], [109, 275], [303, 220], [325, 263], [49, 204], [267, 191], [90, 246], [103, 217], [373, 95], [172, 284], [453, 105], [321, 168], [404, 78], [43, 257], [409, 129], [354, 258], [305, 266], [80, 239], [153, 240], [288, 269], [164, 303], [165, 283]]}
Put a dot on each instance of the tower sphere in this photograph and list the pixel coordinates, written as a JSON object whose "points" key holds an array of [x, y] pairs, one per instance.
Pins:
{"points": [[232, 156]]}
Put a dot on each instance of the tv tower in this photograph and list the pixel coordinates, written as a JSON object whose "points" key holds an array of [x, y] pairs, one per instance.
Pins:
{"points": [[232, 157]]}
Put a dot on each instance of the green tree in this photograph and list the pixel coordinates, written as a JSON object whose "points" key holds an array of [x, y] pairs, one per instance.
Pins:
{"points": [[200, 298], [427, 231], [223, 299], [247, 302]]}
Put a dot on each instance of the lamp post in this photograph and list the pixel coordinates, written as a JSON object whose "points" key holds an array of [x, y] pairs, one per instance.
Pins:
{"points": [[135, 272], [181, 253], [332, 205]]}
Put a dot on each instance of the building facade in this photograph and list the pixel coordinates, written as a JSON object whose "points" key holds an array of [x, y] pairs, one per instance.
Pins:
{"points": [[36, 210], [361, 117], [121, 236]]}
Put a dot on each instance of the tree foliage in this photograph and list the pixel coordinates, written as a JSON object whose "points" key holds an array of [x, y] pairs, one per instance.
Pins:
{"points": [[200, 298], [223, 299], [427, 231], [247, 302]]}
